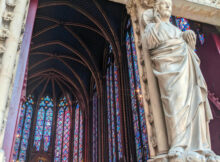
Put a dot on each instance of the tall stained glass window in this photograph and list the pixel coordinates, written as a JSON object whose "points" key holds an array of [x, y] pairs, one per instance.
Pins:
{"points": [[62, 131], [140, 130], [78, 136], [23, 130], [44, 123], [184, 24], [95, 127], [113, 109]]}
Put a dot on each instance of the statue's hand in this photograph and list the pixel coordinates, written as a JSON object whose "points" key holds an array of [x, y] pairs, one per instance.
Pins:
{"points": [[190, 37]]}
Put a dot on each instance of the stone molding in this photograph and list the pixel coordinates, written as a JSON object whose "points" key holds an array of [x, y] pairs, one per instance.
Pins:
{"points": [[205, 11]]}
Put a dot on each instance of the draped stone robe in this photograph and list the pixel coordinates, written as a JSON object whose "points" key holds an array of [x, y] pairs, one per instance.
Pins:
{"points": [[182, 87]]}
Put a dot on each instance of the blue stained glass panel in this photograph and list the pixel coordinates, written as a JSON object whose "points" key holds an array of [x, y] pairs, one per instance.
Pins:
{"points": [[95, 129], [133, 97], [47, 128], [39, 128], [66, 136], [59, 135], [44, 123], [182, 23], [139, 122], [140, 99], [109, 114], [112, 115], [26, 132], [118, 122], [76, 135], [23, 130], [19, 131], [81, 137]]}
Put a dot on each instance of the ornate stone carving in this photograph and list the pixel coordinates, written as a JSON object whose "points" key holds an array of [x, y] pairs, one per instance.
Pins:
{"points": [[8, 16], [130, 6], [4, 33]]}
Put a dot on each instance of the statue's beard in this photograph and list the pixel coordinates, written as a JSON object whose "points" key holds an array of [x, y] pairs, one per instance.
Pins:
{"points": [[165, 14]]}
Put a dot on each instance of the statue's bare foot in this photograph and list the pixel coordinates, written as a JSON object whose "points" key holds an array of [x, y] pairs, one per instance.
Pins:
{"points": [[176, 152], [195, 157]]}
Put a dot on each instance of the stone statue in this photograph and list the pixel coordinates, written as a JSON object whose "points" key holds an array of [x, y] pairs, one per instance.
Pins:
{"points": [[182, 86]]}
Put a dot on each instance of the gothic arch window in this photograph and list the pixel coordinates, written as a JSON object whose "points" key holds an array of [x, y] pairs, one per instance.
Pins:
{"points": [[62, 131], [94, 126], [140, 130], [78, 135], [44, 123], [23, 130], [113, 110]]}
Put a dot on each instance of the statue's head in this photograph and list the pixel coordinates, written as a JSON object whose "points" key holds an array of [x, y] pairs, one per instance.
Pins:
{"points": [[163, 8]]}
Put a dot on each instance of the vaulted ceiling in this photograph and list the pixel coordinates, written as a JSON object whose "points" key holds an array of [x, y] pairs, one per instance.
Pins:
{"points": [[68, 43]]}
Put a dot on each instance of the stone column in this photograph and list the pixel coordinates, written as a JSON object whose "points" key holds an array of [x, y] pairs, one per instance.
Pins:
{"points": [[156, 127], [12, 17]]}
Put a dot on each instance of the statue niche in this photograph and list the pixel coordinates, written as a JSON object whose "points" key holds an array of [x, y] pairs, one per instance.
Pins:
{"points": [[182, 86]]}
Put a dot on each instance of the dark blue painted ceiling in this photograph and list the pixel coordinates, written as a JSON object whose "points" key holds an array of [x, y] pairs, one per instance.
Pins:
{"points": [[68, 42]]}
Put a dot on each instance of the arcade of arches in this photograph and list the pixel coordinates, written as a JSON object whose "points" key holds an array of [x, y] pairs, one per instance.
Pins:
{"points": [[77, 90]]}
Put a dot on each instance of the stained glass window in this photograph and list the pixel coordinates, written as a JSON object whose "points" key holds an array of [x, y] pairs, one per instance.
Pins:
{"points": [[113, 109], [140, 130], [23, 130], [183, 24], [62, 131], [95, 128], [78, 136], [44, 123]]}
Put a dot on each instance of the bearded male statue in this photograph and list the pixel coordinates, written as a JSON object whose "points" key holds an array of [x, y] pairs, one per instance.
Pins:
{"points": [[182, 86]]}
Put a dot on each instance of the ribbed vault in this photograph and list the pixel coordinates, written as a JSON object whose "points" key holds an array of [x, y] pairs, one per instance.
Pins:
{"points": [[67, 46]]}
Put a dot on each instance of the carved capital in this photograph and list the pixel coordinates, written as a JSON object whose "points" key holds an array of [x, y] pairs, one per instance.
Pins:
{"points": [[4, 33]]}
